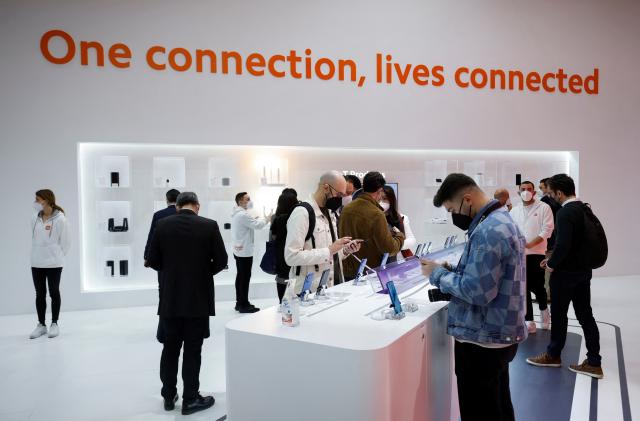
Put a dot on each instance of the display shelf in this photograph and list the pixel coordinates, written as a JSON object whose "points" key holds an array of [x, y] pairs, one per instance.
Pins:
{"points": [[169, 172], [116, 262], [222, 172], [273, 172], [112, 172], [485, 173], [114, 216]]}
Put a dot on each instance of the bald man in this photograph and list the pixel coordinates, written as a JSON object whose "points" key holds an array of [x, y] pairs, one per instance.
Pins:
{"points": [[502, 195], [323, 249]]}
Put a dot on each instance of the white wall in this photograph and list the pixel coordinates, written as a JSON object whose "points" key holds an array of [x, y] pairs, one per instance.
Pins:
{"points": [[45, 110]]}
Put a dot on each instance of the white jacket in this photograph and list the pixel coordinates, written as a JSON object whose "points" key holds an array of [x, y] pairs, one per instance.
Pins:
{"points": [[409, 238], [298, 252], [50, 241], [242, 227], [535, 220]]}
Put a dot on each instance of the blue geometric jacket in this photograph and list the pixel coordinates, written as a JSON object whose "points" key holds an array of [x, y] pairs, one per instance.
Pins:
{"points": [[488, 286]]}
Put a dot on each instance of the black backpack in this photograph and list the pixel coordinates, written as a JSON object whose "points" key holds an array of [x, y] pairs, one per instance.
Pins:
{"points": [[595, 249]]}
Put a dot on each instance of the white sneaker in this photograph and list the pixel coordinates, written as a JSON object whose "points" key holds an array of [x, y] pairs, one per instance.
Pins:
{"points": [[54, 330], [531, 327], [546, 319], [38, 331]]}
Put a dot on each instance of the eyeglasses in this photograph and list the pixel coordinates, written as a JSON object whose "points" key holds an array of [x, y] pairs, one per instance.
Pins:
{"points": [[337, 192]]}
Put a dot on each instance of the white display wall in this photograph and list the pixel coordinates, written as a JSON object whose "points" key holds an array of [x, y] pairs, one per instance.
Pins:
{"points": [[217, 173]]}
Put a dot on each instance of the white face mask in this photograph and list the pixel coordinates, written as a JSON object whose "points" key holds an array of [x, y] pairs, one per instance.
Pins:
{"points": [[346, 200], [37, 206], [384, 206], [526, 195], [249, 204]]}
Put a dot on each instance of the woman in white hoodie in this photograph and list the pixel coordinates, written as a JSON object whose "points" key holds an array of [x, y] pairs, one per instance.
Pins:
{"points": [[389, 204], [50, 244]]}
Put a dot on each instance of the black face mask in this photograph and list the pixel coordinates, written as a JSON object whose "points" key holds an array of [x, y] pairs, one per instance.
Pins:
{"points": [[462, 221], [333, 203]]}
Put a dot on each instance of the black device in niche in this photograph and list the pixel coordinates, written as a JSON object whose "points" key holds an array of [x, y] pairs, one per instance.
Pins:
{"points": [[225, 181], [518, 179], [115, 179], [111, 264], [124, 267], [227, 226], [111, 225]]}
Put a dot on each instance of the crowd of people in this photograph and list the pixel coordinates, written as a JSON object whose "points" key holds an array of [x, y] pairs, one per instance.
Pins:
{"points": [[512, 250]]}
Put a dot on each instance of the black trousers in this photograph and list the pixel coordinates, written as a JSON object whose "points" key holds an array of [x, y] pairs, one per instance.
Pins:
{"points": [[41, 277], [189, 332], [282, 288], [567, 287], [483, 382], [535, 284], [243, 277]]}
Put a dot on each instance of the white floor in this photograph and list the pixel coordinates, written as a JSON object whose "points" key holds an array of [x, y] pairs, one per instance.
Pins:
{"points": [[104, 366]]}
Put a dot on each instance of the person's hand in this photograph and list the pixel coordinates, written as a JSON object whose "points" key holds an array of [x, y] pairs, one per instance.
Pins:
{"points": [[447, 266], [339, 244], [544, 266], [428, 266], [351, 247], [238, 248], [527, 246]]}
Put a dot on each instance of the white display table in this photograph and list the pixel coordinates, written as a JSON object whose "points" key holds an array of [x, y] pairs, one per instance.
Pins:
{"points": [[340, 364]]}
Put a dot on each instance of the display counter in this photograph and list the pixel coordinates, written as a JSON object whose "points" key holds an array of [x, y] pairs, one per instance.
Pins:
{"points": [[340, 363]]}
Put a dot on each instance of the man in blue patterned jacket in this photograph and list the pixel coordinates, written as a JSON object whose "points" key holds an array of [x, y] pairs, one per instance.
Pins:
{"points": [[487, 305]]}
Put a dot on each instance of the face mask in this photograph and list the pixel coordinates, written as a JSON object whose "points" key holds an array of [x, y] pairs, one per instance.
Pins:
{"points": [[526, 195], [249, 204], [462, 221], [346, 200], [37, 207], [384, 206]]}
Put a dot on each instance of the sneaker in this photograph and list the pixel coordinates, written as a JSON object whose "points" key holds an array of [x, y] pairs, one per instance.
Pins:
{"points": [[54, 330], [587, 369], [38, 331], [546, 319], [545, 360], [531, 327]]}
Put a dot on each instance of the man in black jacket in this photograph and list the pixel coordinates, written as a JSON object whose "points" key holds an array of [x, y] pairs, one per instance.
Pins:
{"points": [[187, 250], [570, 282]]}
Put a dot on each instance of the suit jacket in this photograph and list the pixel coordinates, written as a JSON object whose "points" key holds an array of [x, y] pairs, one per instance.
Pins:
{"points": [[364, 219], [162, 213], [188, 251]]}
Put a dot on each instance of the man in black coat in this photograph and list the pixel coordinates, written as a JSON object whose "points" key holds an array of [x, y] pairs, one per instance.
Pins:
{"points": [[187, 250]]}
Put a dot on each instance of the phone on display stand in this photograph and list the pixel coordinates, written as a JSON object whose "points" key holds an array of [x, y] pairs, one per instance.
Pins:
{"points": [[306, 290], [419, 249], [385, 257], [360, 272], [393, 296], [321, 292]]}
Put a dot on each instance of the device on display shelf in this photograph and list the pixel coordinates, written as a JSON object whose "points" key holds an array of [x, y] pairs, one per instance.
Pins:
{"points": [[227, 226], [305, 298], [111, 225], [111, 265], [360, 272], [321, 292], [385, 257], [115, 179], [419, 249], [124, 268]]}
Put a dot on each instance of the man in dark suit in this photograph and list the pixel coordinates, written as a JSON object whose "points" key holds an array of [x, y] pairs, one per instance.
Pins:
{"points": [[187, 250]]}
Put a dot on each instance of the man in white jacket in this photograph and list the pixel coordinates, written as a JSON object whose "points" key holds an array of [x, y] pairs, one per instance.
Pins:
{"points": [[243, 225], [535, 220], [325, 250]]}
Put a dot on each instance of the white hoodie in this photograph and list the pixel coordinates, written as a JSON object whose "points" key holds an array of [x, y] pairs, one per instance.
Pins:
{"points": [[535, 220], [50, 241], [242, 227]]}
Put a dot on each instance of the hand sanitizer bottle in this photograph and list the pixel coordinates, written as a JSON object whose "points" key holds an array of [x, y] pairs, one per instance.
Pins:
{"points": [[290, 307]]}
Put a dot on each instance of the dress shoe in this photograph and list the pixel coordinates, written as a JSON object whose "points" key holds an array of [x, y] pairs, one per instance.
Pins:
{"points": [[199, 404], [170, 404], [247, 309]]}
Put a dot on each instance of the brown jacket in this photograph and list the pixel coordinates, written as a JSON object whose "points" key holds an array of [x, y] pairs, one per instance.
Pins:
{"points": [[364, 219]]}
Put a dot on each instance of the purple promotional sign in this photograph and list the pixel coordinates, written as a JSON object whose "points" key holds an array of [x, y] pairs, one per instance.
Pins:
{"points": [[408, 274]]}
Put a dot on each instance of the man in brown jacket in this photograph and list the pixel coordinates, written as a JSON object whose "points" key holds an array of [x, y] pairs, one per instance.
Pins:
{"points": [[364, 219]]}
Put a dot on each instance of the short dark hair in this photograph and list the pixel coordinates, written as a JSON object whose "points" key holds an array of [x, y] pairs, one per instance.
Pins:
{"points": [[172, 195], [563, 183], [239, 197], [451, 186], [528, 182], [357, 184], [187, 198], [372, 182], [291, 191], [544, 181]]}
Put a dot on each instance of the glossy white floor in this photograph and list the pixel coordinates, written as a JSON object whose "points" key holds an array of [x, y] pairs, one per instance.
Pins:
{"points": [[104, 366]]}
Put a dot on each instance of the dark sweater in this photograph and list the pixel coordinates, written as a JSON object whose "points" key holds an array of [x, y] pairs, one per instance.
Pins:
{"points": [[555, 207], [568, 253], [279, 235]]}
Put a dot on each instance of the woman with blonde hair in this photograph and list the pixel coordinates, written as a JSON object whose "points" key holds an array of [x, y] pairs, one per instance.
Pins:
{"points": [[50, 244]]}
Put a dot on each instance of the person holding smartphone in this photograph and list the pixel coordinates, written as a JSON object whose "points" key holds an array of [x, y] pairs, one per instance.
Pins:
{"points": [[50, 244]]}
